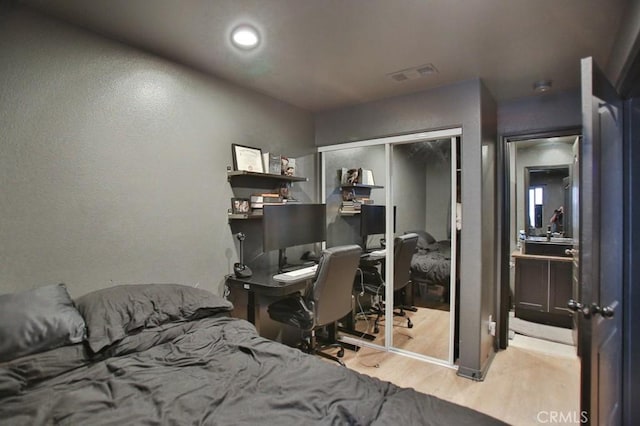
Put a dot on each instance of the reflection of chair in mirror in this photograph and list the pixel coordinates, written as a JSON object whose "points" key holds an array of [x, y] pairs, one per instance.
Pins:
{"points": [[404, 246], [328, 300]]}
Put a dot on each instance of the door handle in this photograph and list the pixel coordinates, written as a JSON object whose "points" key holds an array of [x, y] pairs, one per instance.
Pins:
{"points": [[570, 252], [593, 309], [579, 307], [606, 312]]}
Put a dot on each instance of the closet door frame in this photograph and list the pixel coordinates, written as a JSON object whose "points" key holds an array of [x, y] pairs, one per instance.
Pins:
{"points": [[388, 142]]}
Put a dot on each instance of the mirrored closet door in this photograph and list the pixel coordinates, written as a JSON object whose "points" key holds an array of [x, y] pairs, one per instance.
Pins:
{"points": [[398, 198], [355, 194], [424, 191]]}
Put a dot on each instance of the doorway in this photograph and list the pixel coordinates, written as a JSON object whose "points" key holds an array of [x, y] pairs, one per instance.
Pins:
{"points": [[540, 206], [540, 217]]}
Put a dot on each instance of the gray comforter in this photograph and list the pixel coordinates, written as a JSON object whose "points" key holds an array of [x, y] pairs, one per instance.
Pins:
{"points": [[215, 370], [432, 264]]}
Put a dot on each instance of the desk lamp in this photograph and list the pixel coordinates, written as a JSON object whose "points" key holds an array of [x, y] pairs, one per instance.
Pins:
{"points": [[240, 269]]}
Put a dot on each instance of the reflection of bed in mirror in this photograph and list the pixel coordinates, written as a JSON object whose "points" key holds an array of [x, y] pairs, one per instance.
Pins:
{"points": [[431, 269]]}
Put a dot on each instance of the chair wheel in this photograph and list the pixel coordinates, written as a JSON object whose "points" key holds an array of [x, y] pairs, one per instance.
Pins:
{"points": [[305, 346], [340, 353], [409, 323]]}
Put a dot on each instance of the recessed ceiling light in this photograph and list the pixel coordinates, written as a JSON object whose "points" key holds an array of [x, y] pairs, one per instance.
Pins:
{"points": [[245, 37], [542, 86]]}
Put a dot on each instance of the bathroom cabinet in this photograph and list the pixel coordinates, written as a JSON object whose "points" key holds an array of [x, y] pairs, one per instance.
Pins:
{"points": [[543, 286]]}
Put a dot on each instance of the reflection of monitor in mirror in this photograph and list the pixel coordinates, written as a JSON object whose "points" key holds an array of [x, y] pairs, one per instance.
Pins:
{"points": [[290, 225], [373, 221]]}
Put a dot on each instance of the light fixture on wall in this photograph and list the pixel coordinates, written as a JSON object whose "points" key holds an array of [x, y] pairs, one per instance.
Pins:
{"points": [[542, 86], [245, 37]]}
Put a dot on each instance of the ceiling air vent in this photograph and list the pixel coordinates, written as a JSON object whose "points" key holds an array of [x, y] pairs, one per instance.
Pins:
{"points": [[426, 69], [413, 73], [400, 76]]}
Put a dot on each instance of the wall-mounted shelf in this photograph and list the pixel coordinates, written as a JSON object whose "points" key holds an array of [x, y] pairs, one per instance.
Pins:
{"points": [[241, 173], [360, 185], [252, 182], [357, 191], [244, 216]]}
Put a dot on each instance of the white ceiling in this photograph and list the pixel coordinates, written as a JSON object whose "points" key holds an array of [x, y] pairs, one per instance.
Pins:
{"points": [[325, 54]]}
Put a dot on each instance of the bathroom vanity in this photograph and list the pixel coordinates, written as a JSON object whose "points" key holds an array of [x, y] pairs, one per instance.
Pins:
{"points": [[544, 281]]}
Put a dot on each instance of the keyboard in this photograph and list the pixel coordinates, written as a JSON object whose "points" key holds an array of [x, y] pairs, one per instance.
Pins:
{"points": [[296, 274]]}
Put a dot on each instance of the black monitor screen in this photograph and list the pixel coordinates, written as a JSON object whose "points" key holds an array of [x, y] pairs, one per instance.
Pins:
{"points": [[291, 225], [372, 220]]}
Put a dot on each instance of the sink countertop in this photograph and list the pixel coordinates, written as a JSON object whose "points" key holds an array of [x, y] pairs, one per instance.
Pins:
{"points": [[519, 254], [554, 240]]}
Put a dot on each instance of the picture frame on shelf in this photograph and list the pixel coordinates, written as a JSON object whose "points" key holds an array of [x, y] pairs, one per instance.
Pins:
{"points": [[275, 164], [349, 176], [247, 158], [240, 205], [288, 166], [365, 177]]}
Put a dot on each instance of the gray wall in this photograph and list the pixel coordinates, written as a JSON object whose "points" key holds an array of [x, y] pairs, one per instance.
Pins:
{"points": [[438, 198], [490, 240], [455, 105], [113, 162], [410, 189], [549, 111]]}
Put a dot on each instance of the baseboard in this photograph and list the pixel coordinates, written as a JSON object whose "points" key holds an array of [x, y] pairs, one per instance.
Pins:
{"points": [[474, 374]]}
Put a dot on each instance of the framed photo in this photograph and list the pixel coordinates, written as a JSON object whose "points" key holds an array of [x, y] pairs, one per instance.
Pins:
{"points": [[247, 158], [350, 176], [240, 205]]}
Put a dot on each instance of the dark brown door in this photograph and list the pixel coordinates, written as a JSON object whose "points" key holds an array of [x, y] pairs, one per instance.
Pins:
{"points": [[600, 251]]}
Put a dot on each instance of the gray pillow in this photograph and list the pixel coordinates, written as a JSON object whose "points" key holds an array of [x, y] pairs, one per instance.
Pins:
{"points": [[38, 320], [113, 313], [424, 238]]}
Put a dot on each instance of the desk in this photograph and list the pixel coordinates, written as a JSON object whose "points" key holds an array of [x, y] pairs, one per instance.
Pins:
{"points": [[347, 324], [251, 297]]}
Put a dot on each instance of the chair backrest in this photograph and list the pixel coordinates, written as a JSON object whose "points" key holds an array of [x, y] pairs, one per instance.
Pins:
{"points": [[404, 246], [331, 292]]}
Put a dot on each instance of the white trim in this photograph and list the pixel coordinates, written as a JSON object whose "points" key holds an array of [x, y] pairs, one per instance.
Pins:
{"points": [[389, 141], [412, 137], [454, 246], [323, 191], [389, 244], [420, 357], [366, 344]]}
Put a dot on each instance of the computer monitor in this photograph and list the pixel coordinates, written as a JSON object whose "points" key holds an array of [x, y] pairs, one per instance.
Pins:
{"points": [[290, 225], [373, 221]]}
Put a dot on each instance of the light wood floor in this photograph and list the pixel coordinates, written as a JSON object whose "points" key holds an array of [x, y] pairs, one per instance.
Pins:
{"points": [[429, 335], [520, 384]]}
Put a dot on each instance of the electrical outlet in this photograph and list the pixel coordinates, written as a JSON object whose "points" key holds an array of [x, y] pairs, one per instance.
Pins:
{"points": [[491, 326]]}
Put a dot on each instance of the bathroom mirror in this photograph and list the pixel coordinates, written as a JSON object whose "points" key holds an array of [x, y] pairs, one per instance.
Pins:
{"points": [[541, 177], [547, 200]]}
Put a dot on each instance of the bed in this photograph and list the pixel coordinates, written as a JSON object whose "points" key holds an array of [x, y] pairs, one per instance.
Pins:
{"points": [[170, 354], [431, 267]]}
